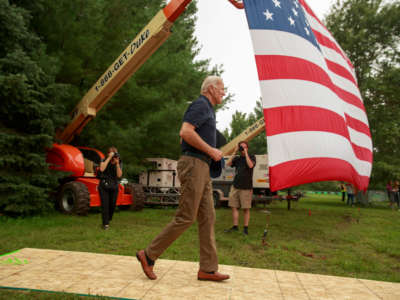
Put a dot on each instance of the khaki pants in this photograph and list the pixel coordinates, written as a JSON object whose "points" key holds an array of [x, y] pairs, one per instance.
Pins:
{"points": [[239, 198], [195, 203]]}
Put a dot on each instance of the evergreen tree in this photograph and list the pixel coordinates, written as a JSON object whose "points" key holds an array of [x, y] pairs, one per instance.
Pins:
{"points": [[29, 112]]}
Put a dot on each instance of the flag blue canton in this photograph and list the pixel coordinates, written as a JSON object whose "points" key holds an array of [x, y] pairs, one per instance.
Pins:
{"points": [[283, 15]]}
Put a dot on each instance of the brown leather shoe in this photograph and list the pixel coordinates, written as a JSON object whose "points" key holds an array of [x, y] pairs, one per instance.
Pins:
{"points": [[148, 270], [216, 276]]}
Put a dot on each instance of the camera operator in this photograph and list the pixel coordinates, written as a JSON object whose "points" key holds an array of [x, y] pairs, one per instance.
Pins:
{"points": [[241, 192], [109, 174]]}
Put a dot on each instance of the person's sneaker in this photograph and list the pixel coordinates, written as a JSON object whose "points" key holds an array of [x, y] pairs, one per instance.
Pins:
{"points": [[233, 228], [106, 227]]}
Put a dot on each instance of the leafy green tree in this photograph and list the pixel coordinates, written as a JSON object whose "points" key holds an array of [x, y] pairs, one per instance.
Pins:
{"points": [[368, 31], [238, 124], [259, 143], [29, 113], [241, 121]]}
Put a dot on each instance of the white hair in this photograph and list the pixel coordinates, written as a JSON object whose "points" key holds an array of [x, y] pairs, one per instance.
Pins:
{"points": [[210, 80]]}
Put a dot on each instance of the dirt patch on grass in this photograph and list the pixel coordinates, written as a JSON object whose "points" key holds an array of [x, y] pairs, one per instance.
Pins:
{"points": [[347, 221]]}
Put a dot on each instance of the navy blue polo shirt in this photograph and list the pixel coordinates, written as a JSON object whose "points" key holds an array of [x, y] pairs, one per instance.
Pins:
{"points": [[200, 114]]}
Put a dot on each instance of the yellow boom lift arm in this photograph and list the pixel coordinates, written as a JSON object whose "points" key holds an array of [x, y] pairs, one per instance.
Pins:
{"points": [[247, 135], [152, 36]]}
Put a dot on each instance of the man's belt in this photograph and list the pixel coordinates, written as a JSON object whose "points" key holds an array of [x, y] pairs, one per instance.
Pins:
{"points": [[201, 156]]}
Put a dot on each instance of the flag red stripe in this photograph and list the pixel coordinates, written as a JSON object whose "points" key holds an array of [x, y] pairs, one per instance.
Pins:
{"points": [[357, 125], [303, 118], [340, 70], [316, 169], [308, 118], [311, 13], [362, 153], [271, 67], [348, 97], [324, 41]]}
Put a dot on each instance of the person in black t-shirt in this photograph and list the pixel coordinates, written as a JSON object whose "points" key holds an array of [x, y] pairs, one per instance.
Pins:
{"points": [[241, 192], [109, 174]]}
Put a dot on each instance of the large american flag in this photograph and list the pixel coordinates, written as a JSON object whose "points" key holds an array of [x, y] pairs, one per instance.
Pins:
{"points": [[316, 124]]}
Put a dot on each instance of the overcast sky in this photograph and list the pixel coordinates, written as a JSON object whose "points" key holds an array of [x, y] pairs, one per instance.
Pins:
{"points": [[223, 34]]}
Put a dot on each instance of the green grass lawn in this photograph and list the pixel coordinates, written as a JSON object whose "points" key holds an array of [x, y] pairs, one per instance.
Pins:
{"points": [[320, 234]]}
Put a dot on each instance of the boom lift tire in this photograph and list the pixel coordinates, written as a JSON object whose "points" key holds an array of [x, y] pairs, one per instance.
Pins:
{"points": [[138, 197], [74, 198]]}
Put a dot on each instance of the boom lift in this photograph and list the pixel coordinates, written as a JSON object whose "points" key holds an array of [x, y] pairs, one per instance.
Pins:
{"points": [[79, 191], [247, 135]]}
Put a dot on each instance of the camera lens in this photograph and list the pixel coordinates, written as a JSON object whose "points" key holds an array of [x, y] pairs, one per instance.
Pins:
{"points": [[240, 148]]}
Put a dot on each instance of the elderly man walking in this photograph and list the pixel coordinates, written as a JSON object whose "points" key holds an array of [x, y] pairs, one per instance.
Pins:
{"points": [[198, 144]]}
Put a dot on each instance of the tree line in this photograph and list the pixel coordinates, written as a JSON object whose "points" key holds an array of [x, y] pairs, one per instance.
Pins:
{"points": [[51, 52]]}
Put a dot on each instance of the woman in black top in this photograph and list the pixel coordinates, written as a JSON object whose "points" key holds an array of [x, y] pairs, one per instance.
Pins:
{"points": [[110, 172]]}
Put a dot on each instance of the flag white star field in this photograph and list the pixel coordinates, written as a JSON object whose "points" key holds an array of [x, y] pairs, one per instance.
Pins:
{"points": [[315, 120]]}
